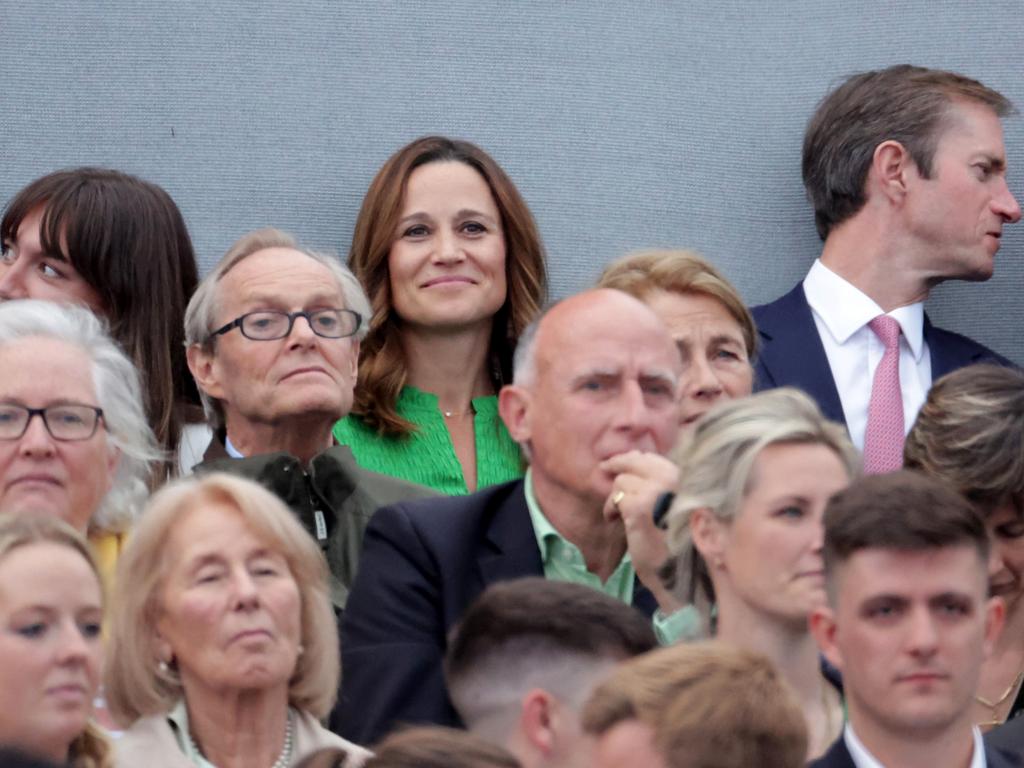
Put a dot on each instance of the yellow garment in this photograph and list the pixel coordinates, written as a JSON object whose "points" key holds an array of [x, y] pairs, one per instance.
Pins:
{"points": [[106, 548]]}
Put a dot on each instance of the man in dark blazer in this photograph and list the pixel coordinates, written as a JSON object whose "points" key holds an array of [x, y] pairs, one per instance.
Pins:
{"points": [[596, 388], [908, 623], [905, 168]]}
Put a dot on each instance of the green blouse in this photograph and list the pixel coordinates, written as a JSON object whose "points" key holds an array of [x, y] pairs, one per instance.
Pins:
{"points": [[427, 456]]}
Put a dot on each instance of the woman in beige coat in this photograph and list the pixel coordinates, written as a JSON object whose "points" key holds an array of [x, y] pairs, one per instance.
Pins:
{"points": [[223, 648]]}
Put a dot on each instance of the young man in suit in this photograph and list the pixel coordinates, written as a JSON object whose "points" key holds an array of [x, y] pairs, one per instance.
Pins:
{"points": [[908, 624], [596, 386], [906, 170]]}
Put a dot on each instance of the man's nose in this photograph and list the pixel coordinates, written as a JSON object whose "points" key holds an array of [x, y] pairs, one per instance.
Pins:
{"points": [[1006, 205], [923, 635]]}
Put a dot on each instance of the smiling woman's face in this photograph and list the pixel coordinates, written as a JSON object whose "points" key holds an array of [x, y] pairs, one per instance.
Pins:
{"points": [[1005, 528], [447, 260], [230, 608]]}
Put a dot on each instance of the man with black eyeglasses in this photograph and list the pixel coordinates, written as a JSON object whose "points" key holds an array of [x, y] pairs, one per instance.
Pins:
{"points": [[273, 343]]}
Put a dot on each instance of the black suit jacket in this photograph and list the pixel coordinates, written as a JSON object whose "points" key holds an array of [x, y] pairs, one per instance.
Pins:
{"points": [[792, 354], [838, 756], [423, 563], [1009, 737]]}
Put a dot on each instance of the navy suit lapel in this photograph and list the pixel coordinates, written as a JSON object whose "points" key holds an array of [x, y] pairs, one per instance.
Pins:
{"points": [[511, 550], [838, 756], [643, 600], [792, 354]]}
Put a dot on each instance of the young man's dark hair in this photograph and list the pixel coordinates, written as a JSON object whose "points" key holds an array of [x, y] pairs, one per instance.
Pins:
{"points": [[530, 645]]}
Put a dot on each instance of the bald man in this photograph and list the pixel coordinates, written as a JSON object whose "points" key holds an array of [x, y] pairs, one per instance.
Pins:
{"points": [[596, 387]]}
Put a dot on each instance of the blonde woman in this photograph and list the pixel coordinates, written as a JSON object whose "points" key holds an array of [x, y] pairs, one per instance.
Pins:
{"points": [[223, 646], [51, 610], [746, 525]]}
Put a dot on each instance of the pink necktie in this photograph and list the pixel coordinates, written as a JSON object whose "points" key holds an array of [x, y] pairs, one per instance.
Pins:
{"points": [[883, 439]]}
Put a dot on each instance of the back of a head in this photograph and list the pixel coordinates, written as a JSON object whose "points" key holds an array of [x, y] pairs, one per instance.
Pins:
{"points": [[707, 705], [902, 103], [436, 747], [970, 433], [535, 633], [899, 511]]}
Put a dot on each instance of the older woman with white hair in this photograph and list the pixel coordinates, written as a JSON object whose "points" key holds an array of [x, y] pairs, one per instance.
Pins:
{"points": [[746, 523], [87, 457], [223, 644]]}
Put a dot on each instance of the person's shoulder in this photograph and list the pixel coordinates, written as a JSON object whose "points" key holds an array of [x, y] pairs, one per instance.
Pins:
{"points": [[377, 487], [780, 309], [1006, 742], [149, 741], [310, 737], [960, 349], [837, 756]]}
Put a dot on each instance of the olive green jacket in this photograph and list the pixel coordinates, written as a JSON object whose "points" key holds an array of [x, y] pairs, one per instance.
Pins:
{"points": [[333, 498]]}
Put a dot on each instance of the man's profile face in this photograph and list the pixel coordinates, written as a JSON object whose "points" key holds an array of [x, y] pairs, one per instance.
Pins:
{"points": [[911, 629], [606, 382], [957, 216], [300, 375]]}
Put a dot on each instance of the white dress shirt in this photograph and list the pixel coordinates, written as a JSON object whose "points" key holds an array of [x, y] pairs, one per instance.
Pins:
{"points": [[842, 313], [864, 759]]}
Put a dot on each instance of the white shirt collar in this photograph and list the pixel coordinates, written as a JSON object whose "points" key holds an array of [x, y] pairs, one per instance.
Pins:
{"points": [[233, 452], [845, 309], [862, 758]]}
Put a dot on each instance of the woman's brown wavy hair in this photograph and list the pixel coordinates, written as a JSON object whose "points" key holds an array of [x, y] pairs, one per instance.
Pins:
{"points": [[382, 365]]}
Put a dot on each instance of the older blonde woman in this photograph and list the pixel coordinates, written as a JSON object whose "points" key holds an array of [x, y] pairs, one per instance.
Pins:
{"points": [[223, 647], [51, 608], [746, 524], [87, 457]]}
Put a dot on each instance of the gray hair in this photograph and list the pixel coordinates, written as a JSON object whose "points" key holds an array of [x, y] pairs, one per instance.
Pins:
{"points": [[118, 391], [715, 461], [204, 306]]}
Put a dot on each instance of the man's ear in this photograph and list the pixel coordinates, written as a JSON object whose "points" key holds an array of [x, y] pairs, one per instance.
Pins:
{"points": [[514, 409], [537, 721], [201, 364], [708, 535], [891, 166], [822, 623], [995, 617]]}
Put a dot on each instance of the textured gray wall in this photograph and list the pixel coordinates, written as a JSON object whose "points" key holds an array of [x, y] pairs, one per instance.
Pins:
{"points": [[625, 124]]}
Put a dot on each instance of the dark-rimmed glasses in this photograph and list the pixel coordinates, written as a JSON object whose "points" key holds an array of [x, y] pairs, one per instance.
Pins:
{"points": [[67, 422], [268, 324]]}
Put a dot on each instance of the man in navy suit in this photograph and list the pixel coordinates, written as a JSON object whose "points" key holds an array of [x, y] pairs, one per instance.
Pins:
{"points": [[905, 168], [908, 623], [596, 385]]}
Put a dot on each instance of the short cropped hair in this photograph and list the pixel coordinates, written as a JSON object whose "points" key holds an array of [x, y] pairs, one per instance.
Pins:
{"points": [[91, 747], [970, 433], [907, 104], [536, 633], [709, 706], [204, 307], [134, 685], [645, 272], [902, 511], [118, 393], [716, 459], [438, 747]]}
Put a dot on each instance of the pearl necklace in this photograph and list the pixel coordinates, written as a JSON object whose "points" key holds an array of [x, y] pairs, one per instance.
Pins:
{"points": [[283, 760]]}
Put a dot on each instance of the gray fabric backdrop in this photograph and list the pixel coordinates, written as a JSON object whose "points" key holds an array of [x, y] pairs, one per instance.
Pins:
{"points": [[625, 124]]}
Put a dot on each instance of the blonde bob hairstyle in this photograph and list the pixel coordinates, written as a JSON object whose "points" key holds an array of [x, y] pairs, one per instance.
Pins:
{"points": [[90, 749], [677, 271], [715, 461], [135, 686]]}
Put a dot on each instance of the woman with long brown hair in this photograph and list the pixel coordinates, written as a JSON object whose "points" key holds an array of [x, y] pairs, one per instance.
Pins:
{"points": [[453, 264]]}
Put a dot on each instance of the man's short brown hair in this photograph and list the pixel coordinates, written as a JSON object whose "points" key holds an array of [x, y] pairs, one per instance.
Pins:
{"points": [[903, 510], [902, 103], [709, 705]]}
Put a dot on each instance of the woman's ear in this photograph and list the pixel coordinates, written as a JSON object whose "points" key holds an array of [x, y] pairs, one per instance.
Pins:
{"points": [[709, 537]]}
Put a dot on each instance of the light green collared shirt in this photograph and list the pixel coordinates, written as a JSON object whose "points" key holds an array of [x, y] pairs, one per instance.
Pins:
{"points": [[178, 717], [563, 561]]}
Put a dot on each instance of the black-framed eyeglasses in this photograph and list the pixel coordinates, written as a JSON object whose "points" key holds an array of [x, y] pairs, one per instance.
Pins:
{"points": [[67, 422], [268, 324]]}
